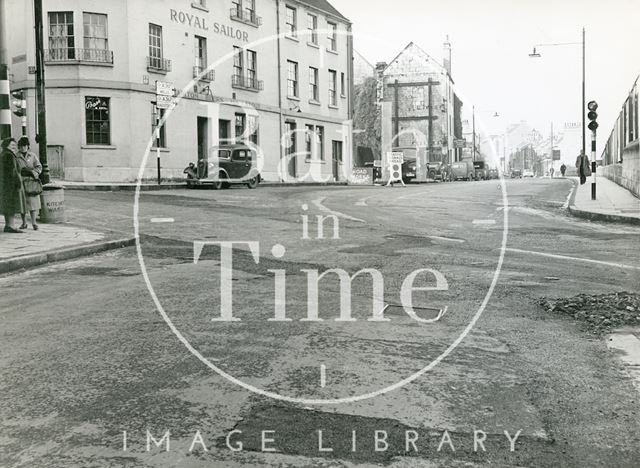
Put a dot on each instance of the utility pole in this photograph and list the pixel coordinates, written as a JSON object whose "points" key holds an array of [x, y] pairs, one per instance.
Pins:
{"points": [[474, 133], [551, 148], [430, 124], [41, 137], [5, 101], [584, 100]]}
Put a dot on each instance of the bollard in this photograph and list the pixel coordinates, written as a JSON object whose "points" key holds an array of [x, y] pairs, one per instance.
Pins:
{"points": [[52, 200]]}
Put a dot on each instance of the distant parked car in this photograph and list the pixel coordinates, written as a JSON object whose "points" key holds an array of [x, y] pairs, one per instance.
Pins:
{"points": [[408, 170], [528, 173], [462, 170], [494, 174], [516, 174]]}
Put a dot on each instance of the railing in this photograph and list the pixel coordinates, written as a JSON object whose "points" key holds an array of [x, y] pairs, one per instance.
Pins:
{"points": [[206, 76], [245, 16], [245, 82], [65, 54], [158, 64]]}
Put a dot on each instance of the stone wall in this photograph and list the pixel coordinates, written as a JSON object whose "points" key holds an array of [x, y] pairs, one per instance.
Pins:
{"points": [[627, 173]]}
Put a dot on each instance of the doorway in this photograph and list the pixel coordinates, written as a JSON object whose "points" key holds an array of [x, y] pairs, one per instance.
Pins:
{"points": [[336, 158], [290, 150], [224, 132], [203, 145]]}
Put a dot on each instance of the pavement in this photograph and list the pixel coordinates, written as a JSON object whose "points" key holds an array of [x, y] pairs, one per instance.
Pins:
{"points": [[54, 242], [613, 202]]}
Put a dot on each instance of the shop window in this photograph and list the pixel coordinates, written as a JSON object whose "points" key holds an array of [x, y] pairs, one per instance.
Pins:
{"points": [[97, 120]]}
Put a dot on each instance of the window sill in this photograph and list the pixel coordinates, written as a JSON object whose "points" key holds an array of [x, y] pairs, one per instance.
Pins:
{"points": [[343, 96], [315, 161], [197, 6], [292, 38], [334, 52], [331, 106], [99, 147], [313, 44], [314, 102], [293, 98]]}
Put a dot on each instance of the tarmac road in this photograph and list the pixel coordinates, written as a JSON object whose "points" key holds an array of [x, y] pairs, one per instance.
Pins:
{"points": [[87, 356]]}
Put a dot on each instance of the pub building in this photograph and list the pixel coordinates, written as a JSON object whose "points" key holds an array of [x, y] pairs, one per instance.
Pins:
{"points": [[284, 82]]}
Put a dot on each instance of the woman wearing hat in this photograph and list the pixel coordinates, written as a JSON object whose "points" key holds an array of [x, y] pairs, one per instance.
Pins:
{"points": [[12, 198], [30, 170]]}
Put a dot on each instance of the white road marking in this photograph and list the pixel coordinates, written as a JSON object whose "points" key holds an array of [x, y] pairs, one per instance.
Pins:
{"points": [[577, 259], [487, 222], [459, 241], [323, 375], [162, 220], [321, 207]]}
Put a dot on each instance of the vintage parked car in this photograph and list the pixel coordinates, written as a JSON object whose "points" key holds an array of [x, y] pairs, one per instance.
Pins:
{"points": [[481, 170], [494, 174], [227, 165], [462, 170], [437, 171], [408, 170], [516, 174], [528, 173]]}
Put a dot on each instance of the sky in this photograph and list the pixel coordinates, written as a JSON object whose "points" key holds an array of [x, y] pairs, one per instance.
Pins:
{"points": [[491, 41]]}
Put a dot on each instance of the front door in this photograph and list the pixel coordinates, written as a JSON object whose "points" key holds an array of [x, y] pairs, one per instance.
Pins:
{"points": [[290, 150], [203, 145], [224, 131], [336, 158]]}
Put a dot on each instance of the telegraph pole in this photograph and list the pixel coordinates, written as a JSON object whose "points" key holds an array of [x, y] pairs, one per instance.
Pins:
{"points": [[474, 133], [41, 136], [5, 107]]}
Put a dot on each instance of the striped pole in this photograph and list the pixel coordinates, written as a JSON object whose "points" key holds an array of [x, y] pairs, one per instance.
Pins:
{"points": [[593, 165], [5, 104]]}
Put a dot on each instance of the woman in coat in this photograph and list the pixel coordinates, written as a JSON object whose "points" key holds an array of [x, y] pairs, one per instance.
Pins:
{"points": [[30, 169], [12, 198]]}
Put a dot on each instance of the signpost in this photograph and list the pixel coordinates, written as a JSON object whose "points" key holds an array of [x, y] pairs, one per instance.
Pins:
{"points": [[394, 163], [459, 143], [361, 176], [164, 100]]}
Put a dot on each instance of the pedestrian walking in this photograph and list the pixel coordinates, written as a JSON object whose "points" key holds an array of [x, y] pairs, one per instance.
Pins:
{"points": [[563, 169], [551, 171], [12, 199], [30, 170], [583, 167]]}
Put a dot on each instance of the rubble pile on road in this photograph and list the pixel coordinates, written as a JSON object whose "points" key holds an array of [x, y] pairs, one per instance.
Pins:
{"points": [[601, 313]]}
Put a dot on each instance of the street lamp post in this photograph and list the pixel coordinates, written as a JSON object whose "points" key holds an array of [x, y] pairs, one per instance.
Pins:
{"points": [[535, 54]]}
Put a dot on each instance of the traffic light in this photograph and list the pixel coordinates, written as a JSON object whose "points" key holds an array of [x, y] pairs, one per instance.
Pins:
{"points": [[592, 116], [19, 103]]}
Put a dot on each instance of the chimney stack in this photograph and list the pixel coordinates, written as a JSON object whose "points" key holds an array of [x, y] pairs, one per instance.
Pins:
{"points": [[447, 55]]}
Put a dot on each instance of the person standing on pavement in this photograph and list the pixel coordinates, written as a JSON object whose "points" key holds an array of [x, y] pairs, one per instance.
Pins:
{"points": [[583, 167], [12, 199], [563, 169], [30, 170]]}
